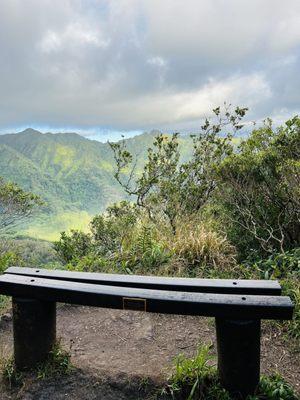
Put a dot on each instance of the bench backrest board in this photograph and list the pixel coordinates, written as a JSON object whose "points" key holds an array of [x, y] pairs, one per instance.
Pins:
{"points": [[229, 286], [158, 301]]}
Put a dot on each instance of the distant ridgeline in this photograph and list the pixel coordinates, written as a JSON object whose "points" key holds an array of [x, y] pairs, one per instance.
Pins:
{"points": [[72, 174]]}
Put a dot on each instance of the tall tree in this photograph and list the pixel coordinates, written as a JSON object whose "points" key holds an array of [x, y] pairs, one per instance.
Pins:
{"points": [[260, 188], [168, 188]]}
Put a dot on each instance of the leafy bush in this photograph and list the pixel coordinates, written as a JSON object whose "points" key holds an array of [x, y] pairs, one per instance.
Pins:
{"points": [[7, 260], [286, 267], [280, 265], [196, 379], [91, 263], [292, 289], [143, 252], [169, 188], [274, 387], [71, 248], [259, 188], [110, 229], [28, 252]]}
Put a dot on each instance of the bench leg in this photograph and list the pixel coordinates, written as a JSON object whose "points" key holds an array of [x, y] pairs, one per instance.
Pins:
{"points": [[238, 344], [34, 324]]}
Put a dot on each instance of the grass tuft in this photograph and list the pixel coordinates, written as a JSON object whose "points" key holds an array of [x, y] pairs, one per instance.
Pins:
{"points": [[197, 245], [10, 375], [196, 379], [57, 364]]}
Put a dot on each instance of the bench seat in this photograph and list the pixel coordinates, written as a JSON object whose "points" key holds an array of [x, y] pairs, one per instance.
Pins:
{"points": [[229, 286], [237, 305], [159, 301]]}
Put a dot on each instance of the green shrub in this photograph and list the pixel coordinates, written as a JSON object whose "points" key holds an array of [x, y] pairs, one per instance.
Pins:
{"points": [[143, 252], [110, 229], [292, 289], [286, 268], [74, 246], [7, 260], [196, 379], [91, 263], [280, 265], [259, 189], [274, 387], [192, 378]]}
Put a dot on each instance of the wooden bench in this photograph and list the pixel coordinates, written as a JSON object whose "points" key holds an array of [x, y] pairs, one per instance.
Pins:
{"points": [[237, 305]]}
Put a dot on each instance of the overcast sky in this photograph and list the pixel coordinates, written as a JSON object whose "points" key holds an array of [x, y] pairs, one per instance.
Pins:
{"points": [[103, 67]]}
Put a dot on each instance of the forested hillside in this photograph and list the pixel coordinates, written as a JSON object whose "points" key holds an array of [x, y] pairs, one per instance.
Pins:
{"points": [[72, 174]]}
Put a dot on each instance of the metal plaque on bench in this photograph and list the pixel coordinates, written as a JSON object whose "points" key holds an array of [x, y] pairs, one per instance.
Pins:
{"points": [[132, 303]]}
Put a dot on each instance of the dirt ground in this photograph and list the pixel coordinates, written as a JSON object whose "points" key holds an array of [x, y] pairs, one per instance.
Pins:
{"points": [[125, 354]]}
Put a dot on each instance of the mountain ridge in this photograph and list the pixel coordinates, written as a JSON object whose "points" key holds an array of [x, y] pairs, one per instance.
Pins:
{"points": [[69, 172]]}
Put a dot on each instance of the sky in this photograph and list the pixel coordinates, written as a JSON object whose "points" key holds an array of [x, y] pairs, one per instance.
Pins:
{"points": [[106, 68]]}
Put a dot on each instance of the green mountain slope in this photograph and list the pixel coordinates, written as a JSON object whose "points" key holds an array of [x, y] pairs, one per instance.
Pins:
{"points": [[74, 175], [67, 170]]}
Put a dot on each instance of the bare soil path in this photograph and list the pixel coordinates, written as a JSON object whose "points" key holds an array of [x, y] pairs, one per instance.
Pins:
{"points": [[125, 355]]}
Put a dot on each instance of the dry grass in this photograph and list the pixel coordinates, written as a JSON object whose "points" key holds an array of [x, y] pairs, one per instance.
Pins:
{"points": [[197, 244]]}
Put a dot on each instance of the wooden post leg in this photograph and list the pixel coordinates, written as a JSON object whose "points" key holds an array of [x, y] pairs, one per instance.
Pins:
{"points": [[238, 344], [34, 324]]}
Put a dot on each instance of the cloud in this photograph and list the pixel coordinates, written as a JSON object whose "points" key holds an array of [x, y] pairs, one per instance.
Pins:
{"points": [[143, 64]]}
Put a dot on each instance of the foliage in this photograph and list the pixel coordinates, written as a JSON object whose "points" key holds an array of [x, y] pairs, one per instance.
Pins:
{"points": [[7, 260], [168, 188], [260, 189], [279, 265], [143, 252], [92, 263], [74, 246], [292, 289], [274, 387], [286, 267], [192, 377], [110, 229], [26, 253], [107, 233], [15, 205], [9, 373], [196, 378], [72, 174], [124, 240], [57, 364]]}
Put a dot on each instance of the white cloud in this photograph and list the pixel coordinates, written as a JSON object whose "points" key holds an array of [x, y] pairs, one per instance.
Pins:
{"points": [[157, 61], [142, 64], [72, 35]]}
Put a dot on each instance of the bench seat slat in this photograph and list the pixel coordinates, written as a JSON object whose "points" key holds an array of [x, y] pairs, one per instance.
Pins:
{"points": [[241, 286], [157, 301]]}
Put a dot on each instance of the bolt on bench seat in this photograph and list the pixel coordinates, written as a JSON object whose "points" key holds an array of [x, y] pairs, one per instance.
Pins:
{"points": [[237, 315]]}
